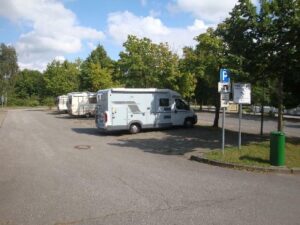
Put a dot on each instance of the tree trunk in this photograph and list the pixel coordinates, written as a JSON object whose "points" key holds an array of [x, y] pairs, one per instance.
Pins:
{"points": [[280, 105], [262, 111], [217, 112], [262, 119]]}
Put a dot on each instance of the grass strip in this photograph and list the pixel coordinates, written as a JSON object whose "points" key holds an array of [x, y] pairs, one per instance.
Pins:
{"points": [[257, 154]]}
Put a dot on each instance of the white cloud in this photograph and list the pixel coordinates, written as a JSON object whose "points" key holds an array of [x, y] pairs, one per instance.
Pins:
{"points": [[212, 11], [122, 24], [54, 31], [60, 58]]}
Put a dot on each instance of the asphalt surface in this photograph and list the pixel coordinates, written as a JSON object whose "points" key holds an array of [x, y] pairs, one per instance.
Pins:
{"points": [[127, 179], [251, 123]]}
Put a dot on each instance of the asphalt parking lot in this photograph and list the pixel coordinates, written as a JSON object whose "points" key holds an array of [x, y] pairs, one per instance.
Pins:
{"points": [[59, 170]]}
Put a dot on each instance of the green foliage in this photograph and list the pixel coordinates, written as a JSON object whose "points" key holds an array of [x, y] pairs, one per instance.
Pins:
{"points": [[61, 78], [268, 42], [97, 71], [187, 86], [48, 101], [31, 101], [100, 78], [29, 83], [145, 64], [8, 69]]}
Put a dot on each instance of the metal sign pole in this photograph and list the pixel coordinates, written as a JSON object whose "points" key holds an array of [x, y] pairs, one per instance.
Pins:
{"points": [[240, 123], [223, 131]]}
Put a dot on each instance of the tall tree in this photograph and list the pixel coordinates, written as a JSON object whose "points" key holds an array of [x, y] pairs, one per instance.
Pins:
{"points": [[146, 64], [99, 78], [8, 68], [212, 55], [268, 41], [29, 83], [97, 71], [61, 78]]}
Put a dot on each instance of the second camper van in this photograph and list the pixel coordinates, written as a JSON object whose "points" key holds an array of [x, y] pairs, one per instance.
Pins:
{"points": [[134, 109], [61, 103], [82, 103]]}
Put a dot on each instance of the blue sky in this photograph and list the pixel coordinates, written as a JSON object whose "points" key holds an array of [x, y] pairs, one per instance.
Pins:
{"points": [[43, 30]]}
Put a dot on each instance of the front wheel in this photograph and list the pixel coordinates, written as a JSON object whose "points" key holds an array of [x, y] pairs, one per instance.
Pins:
{"points": [[188, 123], [134, 128]]}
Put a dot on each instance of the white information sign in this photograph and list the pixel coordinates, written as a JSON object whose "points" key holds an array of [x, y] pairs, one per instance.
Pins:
{"points": [[224, 100], [242, 93]]}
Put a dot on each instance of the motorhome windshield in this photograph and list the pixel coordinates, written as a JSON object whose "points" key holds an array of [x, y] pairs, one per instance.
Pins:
{"points": [[180, 104]]}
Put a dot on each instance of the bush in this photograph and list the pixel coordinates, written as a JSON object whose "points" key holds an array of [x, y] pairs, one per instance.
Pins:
{"points": [[48, 101], [29, 101]]}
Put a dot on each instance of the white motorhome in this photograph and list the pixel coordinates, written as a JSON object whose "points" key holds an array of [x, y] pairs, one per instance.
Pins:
{"points": [[82, 103], [134, 109], [61, 103]]}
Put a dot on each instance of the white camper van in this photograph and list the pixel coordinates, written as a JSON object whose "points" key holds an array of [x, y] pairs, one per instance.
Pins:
{"points": [[82, 103], [135, 109], [61, 103]]}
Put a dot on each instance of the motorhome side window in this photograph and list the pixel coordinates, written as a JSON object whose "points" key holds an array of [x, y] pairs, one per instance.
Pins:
{"points": [[164, 102], [181, 104], [93, 100]]}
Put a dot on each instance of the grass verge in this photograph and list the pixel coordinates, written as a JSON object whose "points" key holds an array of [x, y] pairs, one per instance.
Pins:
{"points": [[257, 154]]}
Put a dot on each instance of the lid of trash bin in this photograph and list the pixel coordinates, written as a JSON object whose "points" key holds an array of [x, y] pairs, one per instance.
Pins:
{"points": [[277, 133]]}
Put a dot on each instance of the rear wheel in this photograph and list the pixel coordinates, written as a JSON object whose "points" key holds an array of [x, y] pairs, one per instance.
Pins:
{"points": [[134, 128]]}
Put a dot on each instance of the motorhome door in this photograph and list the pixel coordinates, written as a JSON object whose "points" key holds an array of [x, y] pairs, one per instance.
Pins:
{"points": [[179, 112], [81, 105], [163, 115], [119, 116]]}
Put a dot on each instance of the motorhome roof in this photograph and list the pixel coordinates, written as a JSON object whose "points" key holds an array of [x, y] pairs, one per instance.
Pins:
{"points": [[85, 93], [140, 90]]}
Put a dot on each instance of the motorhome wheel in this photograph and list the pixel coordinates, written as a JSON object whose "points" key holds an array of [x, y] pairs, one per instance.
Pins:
{"points": [[188, 123], [134, 128]]}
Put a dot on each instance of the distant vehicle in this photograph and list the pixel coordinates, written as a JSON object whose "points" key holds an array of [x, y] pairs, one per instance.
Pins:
{"points": [[81, 103], [134, 109], [61, 103]]}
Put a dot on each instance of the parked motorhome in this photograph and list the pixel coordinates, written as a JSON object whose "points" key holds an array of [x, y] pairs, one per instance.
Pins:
{"points": [[82, 103], [61, 103], [135, 109]]}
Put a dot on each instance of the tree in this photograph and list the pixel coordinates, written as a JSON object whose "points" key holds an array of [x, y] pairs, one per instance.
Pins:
{"points": [[29, 83], [212, 55], [97, 71], [99, 78], [8, 68], [145, 64], [268, 42], [61, 78]]}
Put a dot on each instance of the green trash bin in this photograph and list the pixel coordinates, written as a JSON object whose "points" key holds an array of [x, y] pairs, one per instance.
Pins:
{"points": [[277, 148]]}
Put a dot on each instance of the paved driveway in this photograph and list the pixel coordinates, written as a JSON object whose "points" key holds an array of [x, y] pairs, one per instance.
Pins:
{"points": [[128, 179]]}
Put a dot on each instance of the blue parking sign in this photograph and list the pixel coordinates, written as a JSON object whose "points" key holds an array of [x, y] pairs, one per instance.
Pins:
{"points": [[224, 76]]}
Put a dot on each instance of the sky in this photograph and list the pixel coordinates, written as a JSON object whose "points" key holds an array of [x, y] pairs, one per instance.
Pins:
{"points": [[44, 30]]}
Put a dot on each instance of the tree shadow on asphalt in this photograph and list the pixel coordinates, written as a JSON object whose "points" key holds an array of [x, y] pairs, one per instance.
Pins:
{"points": [[180, 141], [292, 125], [68, 117], [96, 132]]}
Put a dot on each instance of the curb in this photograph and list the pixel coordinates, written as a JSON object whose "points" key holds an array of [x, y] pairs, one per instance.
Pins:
{"points": [[281, 170]]}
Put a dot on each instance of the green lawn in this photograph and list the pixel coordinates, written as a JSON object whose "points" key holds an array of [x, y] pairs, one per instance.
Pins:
{"points": [[257, 154]]}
